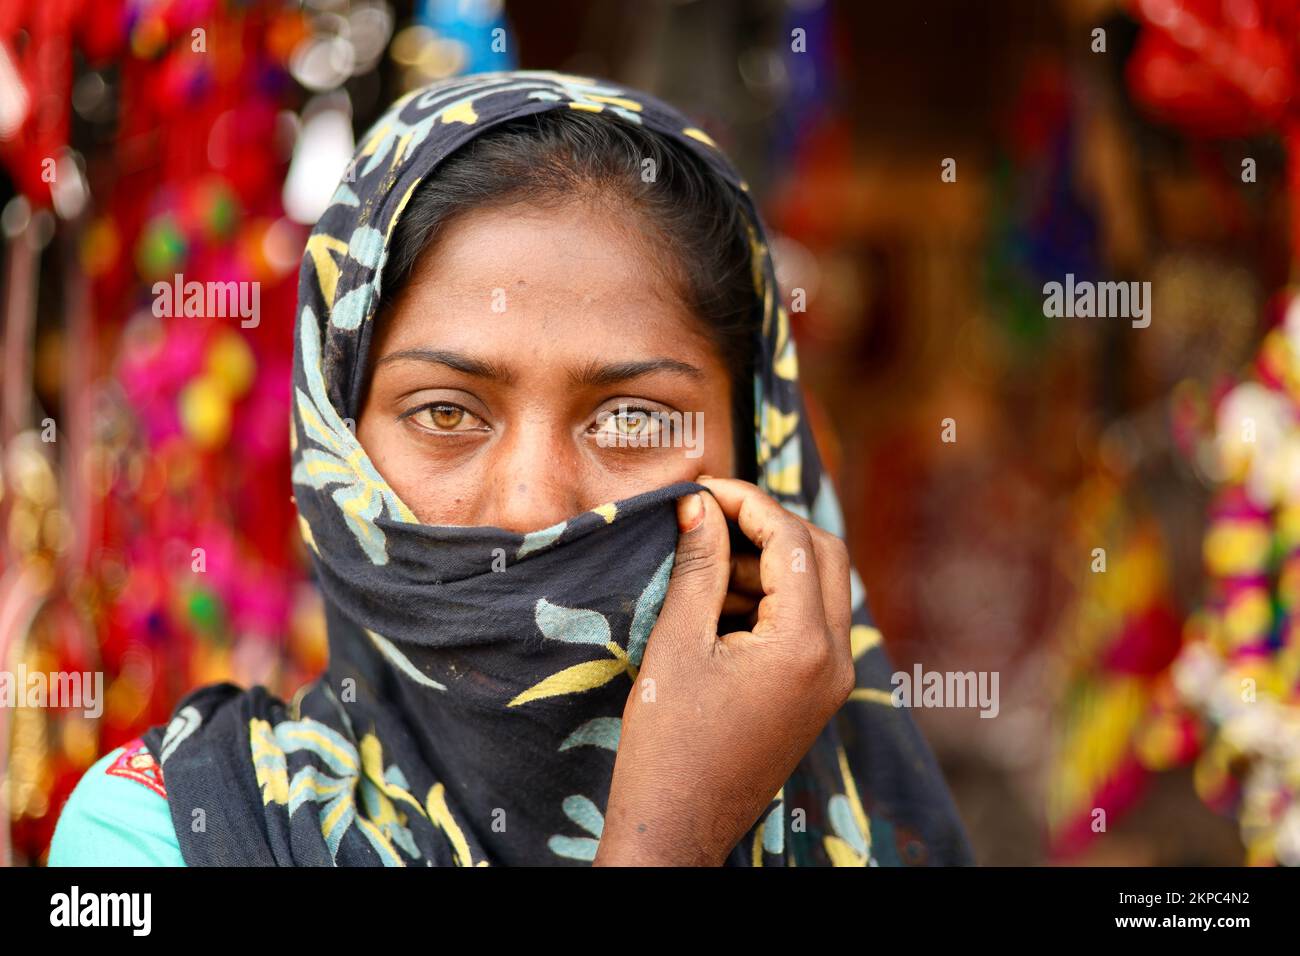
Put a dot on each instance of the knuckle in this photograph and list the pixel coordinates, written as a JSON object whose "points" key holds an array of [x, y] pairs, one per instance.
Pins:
{"points": [[800, 536], [846, 678], [824, 667], [814, 660], [836, 554]]}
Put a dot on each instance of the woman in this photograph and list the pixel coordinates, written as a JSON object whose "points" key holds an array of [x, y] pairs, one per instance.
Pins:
{"points": [[548, 306]]}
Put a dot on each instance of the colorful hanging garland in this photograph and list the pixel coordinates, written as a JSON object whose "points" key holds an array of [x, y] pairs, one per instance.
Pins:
{"points": [[190, 569], [1216, 70]]}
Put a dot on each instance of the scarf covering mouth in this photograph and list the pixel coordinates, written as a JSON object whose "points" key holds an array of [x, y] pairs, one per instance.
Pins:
{"points": [[471, 708]]}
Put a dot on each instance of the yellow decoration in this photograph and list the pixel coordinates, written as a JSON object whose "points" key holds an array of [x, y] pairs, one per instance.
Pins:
{"points": [[400, 150], [462, 112], [777, 427], [1235, 547], [308, 538], [231, 364], [1092, 746], [839, 850], [871, 695], [268, 762], [630, 105], [440, 814], [700, 135], [397, 214], [863, 638], [1249, 616], [319, 247], [372, 144], [786, 481], [205, 412], [573, 680]]}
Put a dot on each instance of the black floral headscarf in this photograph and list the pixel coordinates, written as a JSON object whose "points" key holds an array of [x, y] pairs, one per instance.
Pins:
{"points": [[470, 712]]}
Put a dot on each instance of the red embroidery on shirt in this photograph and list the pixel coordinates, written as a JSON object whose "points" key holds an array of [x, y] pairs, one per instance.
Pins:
{"points": [[136, 763]]}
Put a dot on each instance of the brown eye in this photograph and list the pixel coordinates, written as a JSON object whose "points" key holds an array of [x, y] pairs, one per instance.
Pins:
{"points": [[628, 427], [631, 423], [446, 416]]}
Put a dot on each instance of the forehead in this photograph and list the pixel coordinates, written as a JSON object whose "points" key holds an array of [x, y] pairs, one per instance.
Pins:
{"points": [[533, 277]]}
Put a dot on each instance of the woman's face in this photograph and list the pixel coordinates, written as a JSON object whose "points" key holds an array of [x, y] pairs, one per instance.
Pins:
{"points": [[530, 370]]}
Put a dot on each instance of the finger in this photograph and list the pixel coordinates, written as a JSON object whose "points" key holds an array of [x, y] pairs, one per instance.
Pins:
{"points": [[787, 563], [833, 568], [698, 584]]}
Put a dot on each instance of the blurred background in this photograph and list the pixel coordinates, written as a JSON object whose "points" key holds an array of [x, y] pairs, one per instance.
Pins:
{"points": [[1115, 530]]}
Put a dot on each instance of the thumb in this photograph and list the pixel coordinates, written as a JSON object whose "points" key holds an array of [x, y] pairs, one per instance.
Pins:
{"points": [[701, 569]]}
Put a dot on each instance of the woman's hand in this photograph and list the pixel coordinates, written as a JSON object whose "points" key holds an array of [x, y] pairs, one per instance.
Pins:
{"points": [[715, 723]]}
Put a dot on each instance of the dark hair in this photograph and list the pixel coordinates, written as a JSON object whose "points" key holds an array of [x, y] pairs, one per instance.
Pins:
{"points": [[556, 155]]}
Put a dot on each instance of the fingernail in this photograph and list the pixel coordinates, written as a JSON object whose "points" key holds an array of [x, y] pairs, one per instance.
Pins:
{"points": [[704, 478], [690, 511]]}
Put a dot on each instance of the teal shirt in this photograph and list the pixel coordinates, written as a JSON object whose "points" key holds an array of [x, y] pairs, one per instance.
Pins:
{"points": [[114, 821]]}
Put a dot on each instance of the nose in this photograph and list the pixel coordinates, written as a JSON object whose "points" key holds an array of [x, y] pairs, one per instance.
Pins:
{"points": [[534, 481]]}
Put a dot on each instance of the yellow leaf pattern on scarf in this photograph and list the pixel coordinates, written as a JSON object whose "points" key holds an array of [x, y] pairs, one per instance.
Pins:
{"points": [[777, 426], [440, 814], [573, 680], [848, 848], [268, 762], [462, 112], [319, 247], [700, 136], [863, 638]]}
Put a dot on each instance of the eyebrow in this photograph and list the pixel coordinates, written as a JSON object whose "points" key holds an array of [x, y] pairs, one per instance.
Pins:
{"points": [[458, 361], [590, 375]]}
